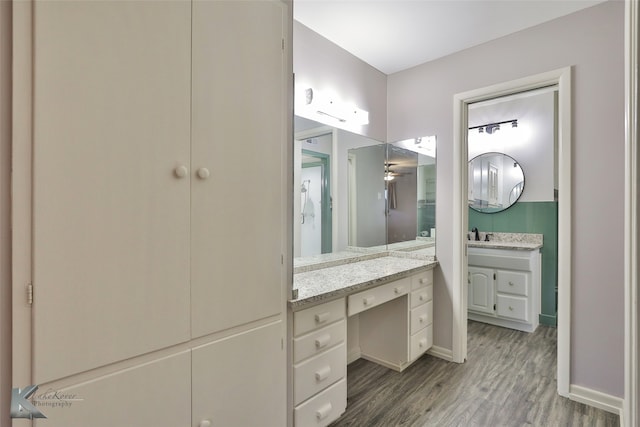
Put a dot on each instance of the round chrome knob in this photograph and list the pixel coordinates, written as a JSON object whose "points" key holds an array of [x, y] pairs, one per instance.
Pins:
{"points": [[203, 173], [181, 171]]}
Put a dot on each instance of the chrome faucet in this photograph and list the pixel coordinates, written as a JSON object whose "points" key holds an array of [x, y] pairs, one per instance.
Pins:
{"points": [[477, 234]]}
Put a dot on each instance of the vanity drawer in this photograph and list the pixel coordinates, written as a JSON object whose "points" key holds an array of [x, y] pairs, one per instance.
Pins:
{"points": [[323, 408], [318, 316], [421, 317], [421, 342], [420, 280], [421, 295], [513, 282], [367, 299], [512, 307], [319, 372], [319, 340]]}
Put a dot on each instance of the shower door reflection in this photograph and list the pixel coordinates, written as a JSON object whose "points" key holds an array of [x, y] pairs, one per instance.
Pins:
{"points": [[315, 204]]}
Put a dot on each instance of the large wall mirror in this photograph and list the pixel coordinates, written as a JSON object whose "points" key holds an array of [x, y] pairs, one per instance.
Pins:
{"points": [[354, 193], [496, 182]]}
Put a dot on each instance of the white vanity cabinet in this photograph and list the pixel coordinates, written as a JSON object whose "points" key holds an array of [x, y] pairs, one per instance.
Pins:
{"points": [[504, 287], [319, 364], [397, 329], [394, 327]]}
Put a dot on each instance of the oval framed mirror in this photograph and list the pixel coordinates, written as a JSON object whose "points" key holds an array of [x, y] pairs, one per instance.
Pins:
{"points": [[496, 182]]}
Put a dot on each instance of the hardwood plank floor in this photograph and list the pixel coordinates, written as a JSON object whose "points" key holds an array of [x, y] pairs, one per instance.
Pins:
{"points": [[508, 380]]}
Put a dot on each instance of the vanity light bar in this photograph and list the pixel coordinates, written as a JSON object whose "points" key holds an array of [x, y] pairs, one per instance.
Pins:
{"points": [[326, 105], [492, 127]]}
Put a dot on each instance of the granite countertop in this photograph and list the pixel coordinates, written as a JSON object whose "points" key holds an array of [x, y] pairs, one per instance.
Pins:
{"points": [[329, 283], [515, 241]]}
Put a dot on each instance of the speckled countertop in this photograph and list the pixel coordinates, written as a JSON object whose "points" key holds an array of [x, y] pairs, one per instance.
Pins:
{"points": [[516, 241], [341, 280], [316, 262]]}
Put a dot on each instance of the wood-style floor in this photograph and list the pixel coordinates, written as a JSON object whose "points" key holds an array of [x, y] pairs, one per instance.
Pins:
{"points": [[509, 379]]}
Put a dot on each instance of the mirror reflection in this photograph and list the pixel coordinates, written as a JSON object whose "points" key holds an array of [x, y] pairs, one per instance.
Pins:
{"points": [[353, 193], [411, 190], [496, 182]]}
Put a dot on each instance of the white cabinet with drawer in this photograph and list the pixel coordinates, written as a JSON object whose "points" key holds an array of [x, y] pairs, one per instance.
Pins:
{"points": [[319, 364], [504, 287], [421, 314], [397, 332]]}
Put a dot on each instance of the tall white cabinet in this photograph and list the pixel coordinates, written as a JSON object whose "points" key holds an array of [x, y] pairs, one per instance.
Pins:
{"points": [[159, 149]]}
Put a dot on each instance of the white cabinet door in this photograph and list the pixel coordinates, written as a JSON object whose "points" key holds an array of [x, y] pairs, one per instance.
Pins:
{"points": [[481, 290], [111, 218], [241, 380], [239, 109], [155, 394]]}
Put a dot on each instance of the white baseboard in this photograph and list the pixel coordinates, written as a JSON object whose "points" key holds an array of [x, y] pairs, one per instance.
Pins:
{"points": [[597, 399], [441, 353], [353, 354]]}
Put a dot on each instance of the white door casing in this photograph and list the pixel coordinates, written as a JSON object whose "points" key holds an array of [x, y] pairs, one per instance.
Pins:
{"points": [[562, 78]]}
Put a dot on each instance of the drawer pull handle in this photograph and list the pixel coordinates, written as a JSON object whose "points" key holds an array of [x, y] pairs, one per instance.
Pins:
{"points": [[422, 343], [368, 300], [323, 411], [323, 341], [323, 373], [423, 297], [510, 308], [422, 318], [398, 290], [422, 281], [510, 283], [323, 317]]}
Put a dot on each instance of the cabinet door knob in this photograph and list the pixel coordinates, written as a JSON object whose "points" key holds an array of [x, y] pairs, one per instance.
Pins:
{"points": [[510, 308], [181, 171], [368, 300], [203, 173], [398, 290], [205, 423], [510, 283]]}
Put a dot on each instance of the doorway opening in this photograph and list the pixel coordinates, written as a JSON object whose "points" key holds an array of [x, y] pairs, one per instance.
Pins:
{"points": [[562, 79]]}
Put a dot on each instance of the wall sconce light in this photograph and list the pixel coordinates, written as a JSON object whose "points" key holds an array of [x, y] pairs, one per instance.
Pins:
{"points": [[329, 106], [492, 128]]}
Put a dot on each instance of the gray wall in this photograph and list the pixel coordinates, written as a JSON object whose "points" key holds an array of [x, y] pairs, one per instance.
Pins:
{"points": [[324, 66], [592, 41], [5, 211]]}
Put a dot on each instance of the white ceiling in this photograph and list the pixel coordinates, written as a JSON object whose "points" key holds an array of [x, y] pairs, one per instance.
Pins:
{"points": [[393, 35]]}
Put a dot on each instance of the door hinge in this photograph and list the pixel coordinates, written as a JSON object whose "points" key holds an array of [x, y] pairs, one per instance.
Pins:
{"points": [[30, 294], [282, 44], [494, 307], [494, 276]]}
